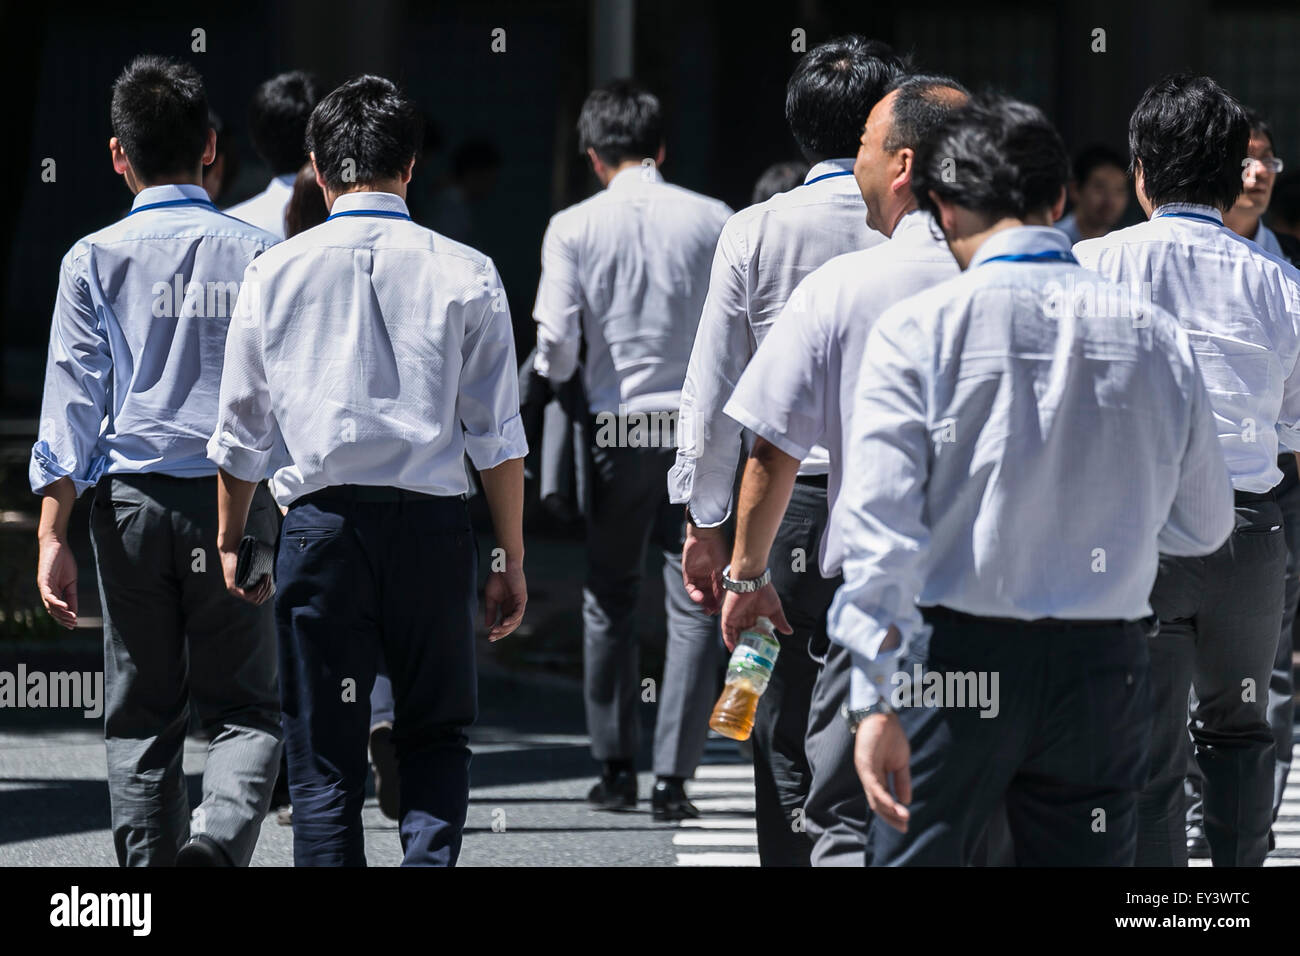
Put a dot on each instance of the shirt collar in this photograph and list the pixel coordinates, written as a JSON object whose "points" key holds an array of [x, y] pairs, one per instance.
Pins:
{"points": [[914, 223], [1021, 240], [169, 193], [1192, 207], [829, 167], [647, 172], [368, 201]]}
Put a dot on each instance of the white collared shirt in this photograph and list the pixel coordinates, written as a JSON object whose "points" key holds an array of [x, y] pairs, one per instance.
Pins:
{"points": [[1012, 456], [799, 389], [369, 351], [627, 270], [266, 209], [138, 340], [1240, 307], [765, 251]]}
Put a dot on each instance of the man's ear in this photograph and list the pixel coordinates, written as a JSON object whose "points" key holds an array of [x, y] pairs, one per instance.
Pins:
{"points": [[597, 166], [903, 177], [406, 175], [659, 157], [320, 180], [210, 147], [1058, 207], [120, 163]]}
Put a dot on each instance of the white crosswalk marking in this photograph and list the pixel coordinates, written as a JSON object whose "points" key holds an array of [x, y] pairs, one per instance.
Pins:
{"points": [[726, 836]]}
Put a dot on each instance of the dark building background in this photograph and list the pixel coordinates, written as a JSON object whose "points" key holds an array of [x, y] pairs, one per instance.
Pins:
{"points": [[719, 67]]}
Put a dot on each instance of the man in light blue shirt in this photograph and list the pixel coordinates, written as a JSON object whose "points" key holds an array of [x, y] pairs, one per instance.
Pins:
{"points": [[1024, 441], [1219, 615], [368, 356], [136, 351]]}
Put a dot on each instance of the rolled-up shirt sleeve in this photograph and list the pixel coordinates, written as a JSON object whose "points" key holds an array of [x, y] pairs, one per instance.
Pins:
{"points": [[709, 441], [885, 533], [246, 441], [487, 399], [1201, 516], [781, 396], [78, 376], [558, 310]]}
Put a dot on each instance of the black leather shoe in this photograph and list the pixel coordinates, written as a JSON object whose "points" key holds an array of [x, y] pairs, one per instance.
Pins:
{"points": [[383, 763], [668, 801], [617, 792], [202, 850], [1198, 848]]}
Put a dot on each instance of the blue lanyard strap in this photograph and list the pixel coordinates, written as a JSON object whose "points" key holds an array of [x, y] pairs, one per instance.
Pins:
{"points": [[385, 213], [1190, 215], [1051, 255], [817, 179], [174, 202]]}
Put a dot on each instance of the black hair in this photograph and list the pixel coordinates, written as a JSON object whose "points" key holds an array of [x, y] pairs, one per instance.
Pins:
{"points": [[621, 121], [779, 178], [1190, 136], [922, 103], [366, 123], [1261, 127], [1092, 158], [160, 116], [832, 91], [995, 156], [277, 120]]}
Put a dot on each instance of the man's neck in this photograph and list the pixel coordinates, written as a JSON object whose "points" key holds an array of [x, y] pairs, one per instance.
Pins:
{"points": [[903, 210], [395, 186], [626, 165], [137, 186]]}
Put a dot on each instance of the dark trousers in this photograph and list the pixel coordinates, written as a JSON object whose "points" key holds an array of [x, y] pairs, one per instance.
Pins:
{"points": [[176, 641], [1219, 621], [360, 572], [782, 771], [627, 512], [1066, 750], [1281, 688]]}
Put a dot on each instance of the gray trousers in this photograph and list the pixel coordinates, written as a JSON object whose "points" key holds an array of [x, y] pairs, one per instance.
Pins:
{"points": [[627, 512], [1219, 620], [176, 640]]}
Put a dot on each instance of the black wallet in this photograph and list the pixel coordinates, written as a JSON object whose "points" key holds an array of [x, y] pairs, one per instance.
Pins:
{"points": [[255, 561]]}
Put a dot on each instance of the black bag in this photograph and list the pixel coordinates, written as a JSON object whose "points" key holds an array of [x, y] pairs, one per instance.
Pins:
{"points": [[256, 560]]}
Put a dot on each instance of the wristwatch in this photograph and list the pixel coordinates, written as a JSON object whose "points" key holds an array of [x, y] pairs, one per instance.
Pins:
{"points": [[855, 717], [745, 587]]}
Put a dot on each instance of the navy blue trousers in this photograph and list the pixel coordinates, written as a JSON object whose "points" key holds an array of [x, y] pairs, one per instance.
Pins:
{"points": [[357, 577]]}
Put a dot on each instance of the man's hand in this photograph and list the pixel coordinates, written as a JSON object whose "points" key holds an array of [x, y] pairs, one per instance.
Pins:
{"points": [[257, 594], [881, 750], [742, 611], [504, 596], [704, 555], [56, 579]]}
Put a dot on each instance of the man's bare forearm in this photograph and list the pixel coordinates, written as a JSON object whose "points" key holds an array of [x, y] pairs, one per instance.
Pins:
{"points": [[764, 494], [234, 496], [58, 498], [504, 488]]}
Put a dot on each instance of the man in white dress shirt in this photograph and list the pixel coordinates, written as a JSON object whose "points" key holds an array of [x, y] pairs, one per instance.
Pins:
{"points": [[1022, 444], [798, 392], [277, 123], [1219, 615], [366, 358], [626, 271], [763, 254]]}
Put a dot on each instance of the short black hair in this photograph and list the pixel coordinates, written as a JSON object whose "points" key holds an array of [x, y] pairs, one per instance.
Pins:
{"points": [[920, 106], [277, 120], [621, 121], [1092, 158], [778, 178], [160, 116], [1261, 127], [1189, 135], [996, 156], [369, 123], [832, 91]]}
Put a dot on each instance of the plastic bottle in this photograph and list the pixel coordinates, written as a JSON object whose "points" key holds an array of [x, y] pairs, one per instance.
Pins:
{"points": [[748, 673]]}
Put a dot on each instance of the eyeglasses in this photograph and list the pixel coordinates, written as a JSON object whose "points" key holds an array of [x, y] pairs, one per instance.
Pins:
{"points": [[1272, 164]]}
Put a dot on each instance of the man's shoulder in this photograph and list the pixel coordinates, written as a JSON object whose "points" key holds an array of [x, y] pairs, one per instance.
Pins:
{"points": [[1130, 235], [212, 224]]}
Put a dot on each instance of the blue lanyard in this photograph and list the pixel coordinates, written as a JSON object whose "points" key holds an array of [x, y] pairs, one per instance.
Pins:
{"points": [[817, 179], [174, 202], [385, 213], [1051, 255], [1190, 215]]}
